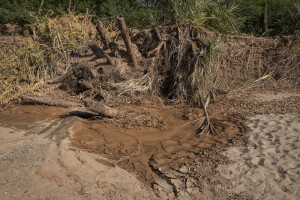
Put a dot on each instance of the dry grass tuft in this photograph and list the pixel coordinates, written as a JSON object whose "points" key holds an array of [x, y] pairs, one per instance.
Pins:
{"points": [[28, 63], [131, 86]]}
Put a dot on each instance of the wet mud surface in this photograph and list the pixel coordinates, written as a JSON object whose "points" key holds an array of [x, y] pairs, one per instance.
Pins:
{"points": [[165, 161], [24, 117], [144, 151]]}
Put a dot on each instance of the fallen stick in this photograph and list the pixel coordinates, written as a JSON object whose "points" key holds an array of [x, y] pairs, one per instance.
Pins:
{"points": [[48, 100], [92, 108], [100, 53], [101, 108], [127, 41]]}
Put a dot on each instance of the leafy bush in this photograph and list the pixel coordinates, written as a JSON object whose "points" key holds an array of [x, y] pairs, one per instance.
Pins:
{"points": [[283, 16], [208, 13], [15, 15], [225, 16]]}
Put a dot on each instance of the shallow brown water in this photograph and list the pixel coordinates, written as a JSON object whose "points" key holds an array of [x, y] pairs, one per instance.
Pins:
{"points": [[142, 150], [24, 116]]}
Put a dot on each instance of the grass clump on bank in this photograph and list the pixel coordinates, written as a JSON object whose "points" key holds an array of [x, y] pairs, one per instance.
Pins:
{"points": [[27, 62]]}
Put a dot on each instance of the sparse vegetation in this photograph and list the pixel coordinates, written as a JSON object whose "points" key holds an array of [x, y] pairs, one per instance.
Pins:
{"points": [[205, 71]]}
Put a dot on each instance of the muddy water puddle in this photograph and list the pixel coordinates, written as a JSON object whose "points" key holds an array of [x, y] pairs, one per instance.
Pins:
{"points": [[25, 116], [144, 151]]}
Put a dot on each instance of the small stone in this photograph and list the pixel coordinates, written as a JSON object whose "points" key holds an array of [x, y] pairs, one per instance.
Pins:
{"points": [[177, 183], [184, 169], [190, 183]]}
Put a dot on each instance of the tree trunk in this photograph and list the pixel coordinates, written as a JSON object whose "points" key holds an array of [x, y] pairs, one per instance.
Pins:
{"points": [[265, 19], [127, 41], [70, 3]]}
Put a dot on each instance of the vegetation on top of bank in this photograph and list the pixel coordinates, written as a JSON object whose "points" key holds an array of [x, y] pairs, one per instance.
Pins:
{"points": [[226, 16]]}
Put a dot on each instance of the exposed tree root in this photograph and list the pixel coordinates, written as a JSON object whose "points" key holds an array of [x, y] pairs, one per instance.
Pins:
{"points": [[80, 66], [106, 40], [206, 127], [100, 53], [155, 51], [157, 33], [85, 84]]}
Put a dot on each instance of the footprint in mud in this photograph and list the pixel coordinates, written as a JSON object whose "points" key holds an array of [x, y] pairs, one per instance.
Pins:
{"points": [[261, 162]]}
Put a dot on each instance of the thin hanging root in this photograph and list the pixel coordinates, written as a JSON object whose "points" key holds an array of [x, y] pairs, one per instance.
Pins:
{"points": [[156, 51], [157, 33], [206, 127]]}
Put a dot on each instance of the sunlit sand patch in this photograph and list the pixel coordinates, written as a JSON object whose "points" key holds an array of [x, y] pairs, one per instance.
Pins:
{"points": [[269, 166]]}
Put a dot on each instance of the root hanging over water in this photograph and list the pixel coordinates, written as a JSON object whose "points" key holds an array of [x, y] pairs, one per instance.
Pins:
{"points": [[206, 127]]}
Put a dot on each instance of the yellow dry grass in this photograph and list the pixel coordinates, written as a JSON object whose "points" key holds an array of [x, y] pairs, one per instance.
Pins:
{"points": [[26, 64]]}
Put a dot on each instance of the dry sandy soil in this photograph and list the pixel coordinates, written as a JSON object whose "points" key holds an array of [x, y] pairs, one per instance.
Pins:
{"points": [[46, 154]]}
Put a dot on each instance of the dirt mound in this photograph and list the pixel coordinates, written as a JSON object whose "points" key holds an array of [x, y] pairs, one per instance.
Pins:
{"points": [[79, 79]]}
